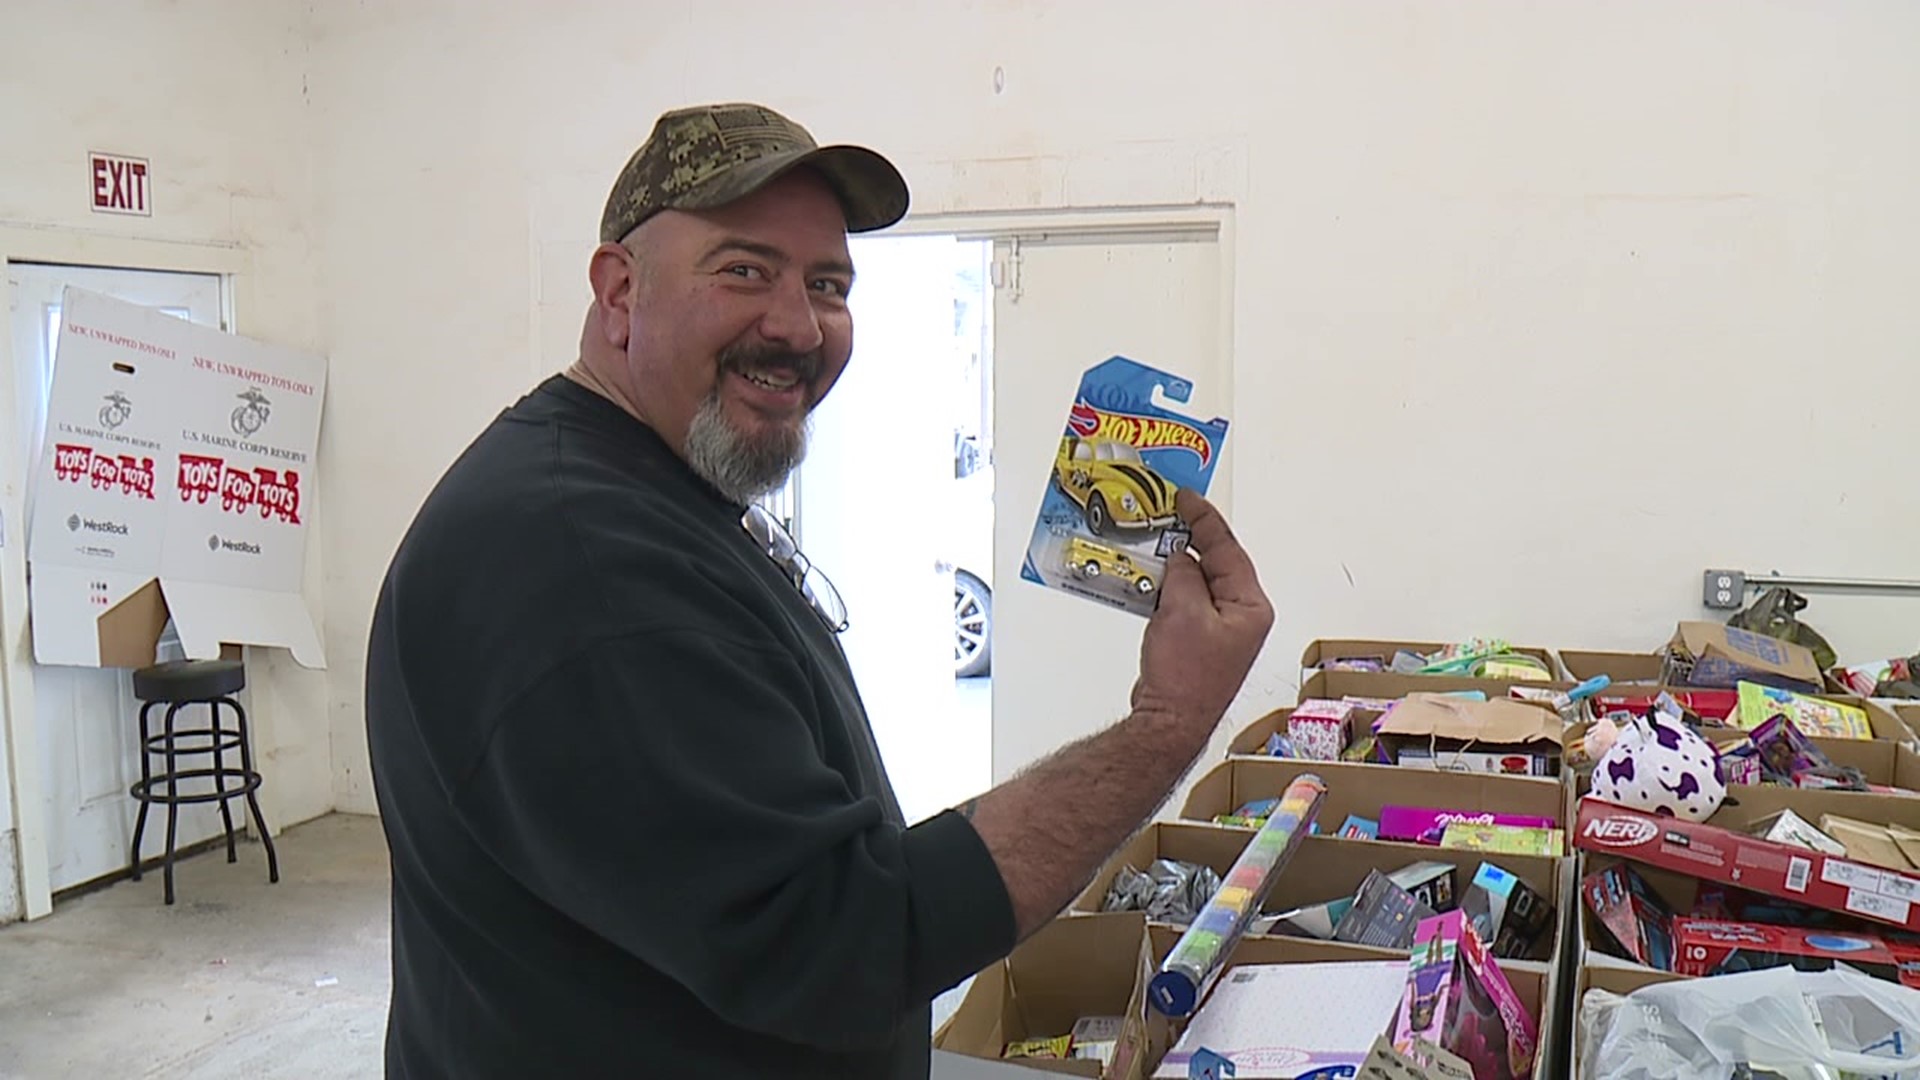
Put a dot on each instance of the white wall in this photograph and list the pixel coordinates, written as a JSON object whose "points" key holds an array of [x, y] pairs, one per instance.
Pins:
{"points": [[1515, 282], [214, 94]]}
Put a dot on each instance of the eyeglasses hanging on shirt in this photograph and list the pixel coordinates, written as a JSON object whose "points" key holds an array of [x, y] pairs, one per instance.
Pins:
{"points": [[779, 545]]}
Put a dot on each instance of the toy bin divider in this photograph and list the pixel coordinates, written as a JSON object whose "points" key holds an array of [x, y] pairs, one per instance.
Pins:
{"points": [[1361, 790], [1323, 651], [1097, 965]]}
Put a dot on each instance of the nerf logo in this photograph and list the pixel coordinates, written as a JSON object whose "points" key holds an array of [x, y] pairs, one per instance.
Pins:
{"points": [[1621, 832], [1141, 432]]}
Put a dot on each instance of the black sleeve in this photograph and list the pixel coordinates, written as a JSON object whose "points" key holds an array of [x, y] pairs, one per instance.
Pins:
{"points": [[667, 790]]}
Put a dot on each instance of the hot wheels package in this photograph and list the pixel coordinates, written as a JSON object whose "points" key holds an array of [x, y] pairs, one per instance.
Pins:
{"points": [[1107, 522]]}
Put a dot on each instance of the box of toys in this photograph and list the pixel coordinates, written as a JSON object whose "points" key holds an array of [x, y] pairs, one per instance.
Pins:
{"points": [[1107, 522], [1070, 999]]}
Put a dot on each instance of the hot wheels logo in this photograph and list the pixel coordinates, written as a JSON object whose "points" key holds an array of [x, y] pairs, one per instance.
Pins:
{"points": [[1141, 432]]}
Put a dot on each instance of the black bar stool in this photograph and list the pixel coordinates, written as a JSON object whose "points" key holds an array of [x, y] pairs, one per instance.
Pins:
{"points": [[177, 685]]}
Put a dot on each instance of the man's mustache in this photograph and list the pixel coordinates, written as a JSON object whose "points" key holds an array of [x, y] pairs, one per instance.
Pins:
{"points": [[741, 359]]}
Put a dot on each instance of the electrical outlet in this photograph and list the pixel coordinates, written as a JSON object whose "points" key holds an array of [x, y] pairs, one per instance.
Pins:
{"points": [[1726, 589]]}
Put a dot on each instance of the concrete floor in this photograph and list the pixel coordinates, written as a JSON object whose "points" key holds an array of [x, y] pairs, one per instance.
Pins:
{"points": [[224, 985]]}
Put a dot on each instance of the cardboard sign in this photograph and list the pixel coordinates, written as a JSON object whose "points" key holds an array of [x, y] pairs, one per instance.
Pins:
{"points": [[176, 480], [1723, 656]]}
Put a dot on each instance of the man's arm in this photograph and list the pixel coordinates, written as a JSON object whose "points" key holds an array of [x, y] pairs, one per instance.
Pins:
{"points": [[1051, 827]]}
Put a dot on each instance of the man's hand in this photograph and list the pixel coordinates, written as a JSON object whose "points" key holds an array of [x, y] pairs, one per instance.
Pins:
{"points": [[1213, 618], [1050, 827]]}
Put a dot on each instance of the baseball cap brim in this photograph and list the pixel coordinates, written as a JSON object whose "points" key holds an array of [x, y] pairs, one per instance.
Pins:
{"points": [[872, 193]]}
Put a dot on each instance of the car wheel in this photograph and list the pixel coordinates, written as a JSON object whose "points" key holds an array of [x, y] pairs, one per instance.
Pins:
{"points": [[1143, 585], [972, 625], [1091, 570], [1099, 521]]}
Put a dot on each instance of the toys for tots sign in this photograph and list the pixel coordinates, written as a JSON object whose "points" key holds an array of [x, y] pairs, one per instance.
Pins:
{"points": [[173, 452]]}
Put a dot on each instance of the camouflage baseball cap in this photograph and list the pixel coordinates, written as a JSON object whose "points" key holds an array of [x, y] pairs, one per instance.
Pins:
{"points": [[709, 155]]}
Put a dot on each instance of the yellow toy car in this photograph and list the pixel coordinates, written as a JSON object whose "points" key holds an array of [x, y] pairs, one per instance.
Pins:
{"points": [[1092, 561], [1113, 487]]}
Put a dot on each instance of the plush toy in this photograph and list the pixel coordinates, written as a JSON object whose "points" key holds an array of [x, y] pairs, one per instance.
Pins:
{"points": [[1659, 766]]}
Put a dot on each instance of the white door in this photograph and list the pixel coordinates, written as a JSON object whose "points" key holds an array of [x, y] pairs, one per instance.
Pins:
{"points": [[875, 493], [88, 730], [1064, 667]]}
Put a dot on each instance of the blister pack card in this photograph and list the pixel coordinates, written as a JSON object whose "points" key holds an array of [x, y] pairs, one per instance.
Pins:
{"points": [[1107, 523]]}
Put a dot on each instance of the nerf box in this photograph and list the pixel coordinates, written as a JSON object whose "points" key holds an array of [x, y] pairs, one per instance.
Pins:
{"points": [[1107, 522], [1714, 854], [1716, 947]]}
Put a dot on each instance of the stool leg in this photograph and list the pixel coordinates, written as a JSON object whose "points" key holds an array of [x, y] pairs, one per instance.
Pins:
{"points": [[220, 777], [246, 766], [173, 796], [146, 781]]}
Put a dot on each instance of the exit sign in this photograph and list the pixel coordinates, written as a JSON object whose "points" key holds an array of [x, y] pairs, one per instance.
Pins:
{"points": [[121, 185]]}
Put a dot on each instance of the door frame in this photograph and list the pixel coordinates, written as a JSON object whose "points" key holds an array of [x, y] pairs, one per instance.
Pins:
{"points": [[67, 247], [1120, 223]]}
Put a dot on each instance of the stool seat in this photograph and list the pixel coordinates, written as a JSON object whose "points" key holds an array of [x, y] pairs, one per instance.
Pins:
{"points": [[189, 680], [173, 688]]}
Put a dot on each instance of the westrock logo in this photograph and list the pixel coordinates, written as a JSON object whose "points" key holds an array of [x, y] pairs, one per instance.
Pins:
{"points": [[75, 523], [1620, 832], [239, 547]]}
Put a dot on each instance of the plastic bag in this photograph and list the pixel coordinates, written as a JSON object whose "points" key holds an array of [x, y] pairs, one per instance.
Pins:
{"points": [[1776, 614], [1795, 1025], [1170, 891]]}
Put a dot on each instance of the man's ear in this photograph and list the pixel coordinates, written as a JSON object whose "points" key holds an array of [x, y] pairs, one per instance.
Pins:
{"points": [[611, 272]]}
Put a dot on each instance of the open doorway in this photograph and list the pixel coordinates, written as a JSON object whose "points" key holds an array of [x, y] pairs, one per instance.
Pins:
{"points": [[895, 504]]}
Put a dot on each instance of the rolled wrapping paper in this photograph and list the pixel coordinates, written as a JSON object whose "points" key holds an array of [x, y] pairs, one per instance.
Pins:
{"points": [[1197, 957]]}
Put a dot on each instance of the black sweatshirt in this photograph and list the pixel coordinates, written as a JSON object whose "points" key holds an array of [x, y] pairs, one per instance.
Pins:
{"points": [[637, 819]]}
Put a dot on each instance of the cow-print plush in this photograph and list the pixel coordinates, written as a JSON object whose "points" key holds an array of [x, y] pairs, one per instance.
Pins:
{"points": [[1658, 766]]}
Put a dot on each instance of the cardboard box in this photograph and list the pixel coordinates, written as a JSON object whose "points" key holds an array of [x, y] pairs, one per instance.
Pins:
{"points": [[1366, 684], [1536, 984], [171, 500], [1723, 656], [1251, 740], [1475, 733], [1214, 846], [1716, 854], [1327, 868], [1362, 790], [1326, 650], [1096, 965], [1623, 668]]}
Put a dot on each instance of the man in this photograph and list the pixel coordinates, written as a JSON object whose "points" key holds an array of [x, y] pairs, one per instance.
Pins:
{"points": [[638, 823]]}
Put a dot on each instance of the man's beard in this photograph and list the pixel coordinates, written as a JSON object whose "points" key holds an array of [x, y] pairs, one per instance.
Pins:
{"points": [[739, 465]]}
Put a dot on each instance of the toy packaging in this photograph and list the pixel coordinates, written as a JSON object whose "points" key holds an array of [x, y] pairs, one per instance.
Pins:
{"points": [[1383, 915], [1726, 857], [1458, 999], [1784, 752], [1426, 825], [1710, 947], [1107, 522], [1504, 839], [1321, 730], [1632, 913], [1510, 917], [1812, 715], [1787, 827], [1291, 1021], [1431, 883]]}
